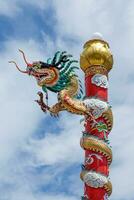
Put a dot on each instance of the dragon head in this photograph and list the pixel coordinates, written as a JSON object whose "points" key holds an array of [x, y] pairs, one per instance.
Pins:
{"points": [[55, 74], [45, 74]]}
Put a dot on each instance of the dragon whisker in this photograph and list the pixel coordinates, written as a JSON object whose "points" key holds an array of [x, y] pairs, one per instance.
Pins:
{"points": [[18, 67], [24, 57]]}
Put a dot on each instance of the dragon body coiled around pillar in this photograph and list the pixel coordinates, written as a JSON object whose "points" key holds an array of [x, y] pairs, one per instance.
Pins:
{"points": [[58, 75]]}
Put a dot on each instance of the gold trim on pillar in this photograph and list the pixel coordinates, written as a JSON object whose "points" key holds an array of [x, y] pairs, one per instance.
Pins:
{"points": [[96, 70], [108, 116], [108, 188], [90, 143]]}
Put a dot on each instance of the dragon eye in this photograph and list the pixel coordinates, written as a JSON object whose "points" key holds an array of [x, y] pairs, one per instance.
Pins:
{"points": [[37, 65]]}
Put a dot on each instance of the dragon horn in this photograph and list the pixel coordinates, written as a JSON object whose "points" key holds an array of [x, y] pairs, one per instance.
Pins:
{"points": [[24, 57], [18, 67]]}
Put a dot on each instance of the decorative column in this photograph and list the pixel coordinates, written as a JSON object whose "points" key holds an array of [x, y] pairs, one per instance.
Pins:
{"points": [[96, 61]]}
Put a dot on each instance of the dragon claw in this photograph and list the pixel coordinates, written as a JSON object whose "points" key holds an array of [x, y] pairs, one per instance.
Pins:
{"points": [[40, 94], [20, 50], [54, 115], [41, 103]]}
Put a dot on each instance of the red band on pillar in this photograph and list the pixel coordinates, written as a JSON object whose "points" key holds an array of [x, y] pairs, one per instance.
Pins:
{"points": [[94, 91]]}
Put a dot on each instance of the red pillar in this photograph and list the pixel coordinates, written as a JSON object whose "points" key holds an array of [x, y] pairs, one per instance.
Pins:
{"points": [[96, 61]]}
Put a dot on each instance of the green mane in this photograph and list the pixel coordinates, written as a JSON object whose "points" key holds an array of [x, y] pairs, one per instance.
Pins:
{"points": [[66, 66]]}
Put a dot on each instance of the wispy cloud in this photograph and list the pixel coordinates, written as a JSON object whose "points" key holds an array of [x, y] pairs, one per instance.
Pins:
{"points": [[31, 165], [10, 9]]}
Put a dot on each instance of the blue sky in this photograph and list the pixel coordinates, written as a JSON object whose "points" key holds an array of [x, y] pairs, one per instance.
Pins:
{"points": [[40, 156]]}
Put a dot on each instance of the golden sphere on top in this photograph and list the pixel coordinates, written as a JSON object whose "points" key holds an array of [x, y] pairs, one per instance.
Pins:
{"points": [[96, 53]]}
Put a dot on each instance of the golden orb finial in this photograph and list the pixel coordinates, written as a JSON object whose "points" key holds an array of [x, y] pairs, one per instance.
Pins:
{"points": [[96, 53]]}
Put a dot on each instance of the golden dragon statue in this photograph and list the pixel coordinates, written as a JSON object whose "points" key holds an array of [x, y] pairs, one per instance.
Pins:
{"points": [[58, 75]]}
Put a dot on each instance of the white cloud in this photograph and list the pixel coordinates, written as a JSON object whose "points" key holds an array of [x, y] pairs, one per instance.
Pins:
{"points": [[19, 117], [59, 148], [81, 19], [60, 197], [19, 113], [11, 8], [122, 142], [8, 8]]}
